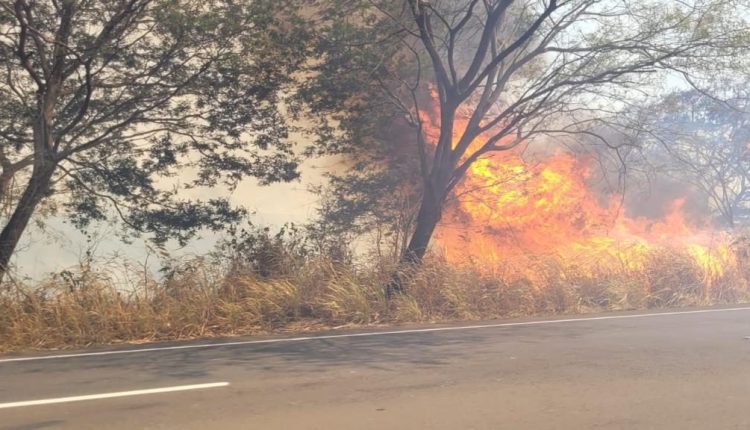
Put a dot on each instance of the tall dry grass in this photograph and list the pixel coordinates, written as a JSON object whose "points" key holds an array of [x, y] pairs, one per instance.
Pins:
{"points": [[207, 297]]}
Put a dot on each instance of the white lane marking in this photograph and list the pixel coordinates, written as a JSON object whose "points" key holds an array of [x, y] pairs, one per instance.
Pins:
{"points": [[112, 395], [367, 334]]}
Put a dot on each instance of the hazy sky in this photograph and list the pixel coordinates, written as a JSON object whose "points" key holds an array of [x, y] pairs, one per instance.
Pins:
{"points": [[61, 245]]}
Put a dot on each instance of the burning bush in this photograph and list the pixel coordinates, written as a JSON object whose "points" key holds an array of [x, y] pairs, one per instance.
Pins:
{"points": [[87, 307]]}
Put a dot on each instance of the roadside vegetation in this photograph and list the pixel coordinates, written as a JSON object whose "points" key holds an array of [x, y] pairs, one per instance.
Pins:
{"points": [[276, 285]]}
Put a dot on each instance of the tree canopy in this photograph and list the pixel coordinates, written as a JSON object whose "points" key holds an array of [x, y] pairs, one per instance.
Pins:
{"points": [[116, 106]]}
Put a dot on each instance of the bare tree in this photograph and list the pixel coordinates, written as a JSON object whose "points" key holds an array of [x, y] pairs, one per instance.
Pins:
{"points": [[705, 141]]}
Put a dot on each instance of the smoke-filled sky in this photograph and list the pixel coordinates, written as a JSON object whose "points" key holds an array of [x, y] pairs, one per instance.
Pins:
{"points": [[61, 245]]}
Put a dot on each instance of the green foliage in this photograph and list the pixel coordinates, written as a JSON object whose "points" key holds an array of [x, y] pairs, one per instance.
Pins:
{"points": [[343, 90], [360, 52], [132, 93], [261, 252]]}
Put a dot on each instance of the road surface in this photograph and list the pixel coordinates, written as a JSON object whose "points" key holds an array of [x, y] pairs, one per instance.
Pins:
{"points": [[676, 370]]}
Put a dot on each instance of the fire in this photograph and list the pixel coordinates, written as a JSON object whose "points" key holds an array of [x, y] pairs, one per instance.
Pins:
{"points": [[712, 261], [542, 207], [509, 208]]}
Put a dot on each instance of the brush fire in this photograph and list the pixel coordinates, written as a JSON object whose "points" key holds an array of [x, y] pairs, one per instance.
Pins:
{"points": [[517, 211]]}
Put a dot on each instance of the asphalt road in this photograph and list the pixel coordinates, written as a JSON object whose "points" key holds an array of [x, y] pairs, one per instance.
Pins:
{"points": [[612, 371]]}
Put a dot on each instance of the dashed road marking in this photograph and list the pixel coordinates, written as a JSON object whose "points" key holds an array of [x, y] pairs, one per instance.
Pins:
{"points": [[112, 395]]}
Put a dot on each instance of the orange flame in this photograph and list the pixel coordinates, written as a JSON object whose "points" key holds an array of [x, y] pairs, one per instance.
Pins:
{"points": [[508, 207]]}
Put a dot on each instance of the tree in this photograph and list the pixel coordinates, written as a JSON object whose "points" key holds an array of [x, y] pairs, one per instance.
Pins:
{"points": [[705, 141], [374, 197], [372, 192], [505, 71], [104, 101]]}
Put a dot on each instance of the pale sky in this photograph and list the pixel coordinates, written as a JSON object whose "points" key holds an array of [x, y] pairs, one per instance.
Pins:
{"points": [[61, 245]]}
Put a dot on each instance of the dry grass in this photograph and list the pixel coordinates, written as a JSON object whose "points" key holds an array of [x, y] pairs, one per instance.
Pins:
{"points": [[204, 299]]}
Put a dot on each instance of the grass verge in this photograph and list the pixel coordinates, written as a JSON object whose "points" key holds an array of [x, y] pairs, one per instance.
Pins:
{"points": [[203, 299]]}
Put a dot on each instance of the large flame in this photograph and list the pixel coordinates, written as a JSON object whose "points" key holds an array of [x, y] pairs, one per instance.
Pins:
{"points": [[508, 208]]}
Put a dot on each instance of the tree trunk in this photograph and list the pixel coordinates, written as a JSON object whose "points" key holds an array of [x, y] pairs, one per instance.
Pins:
{"points": [[37, 188], [427, 219]]}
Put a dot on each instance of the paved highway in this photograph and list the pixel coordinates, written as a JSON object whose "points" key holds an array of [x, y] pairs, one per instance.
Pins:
{"points": [[674, 370]]}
